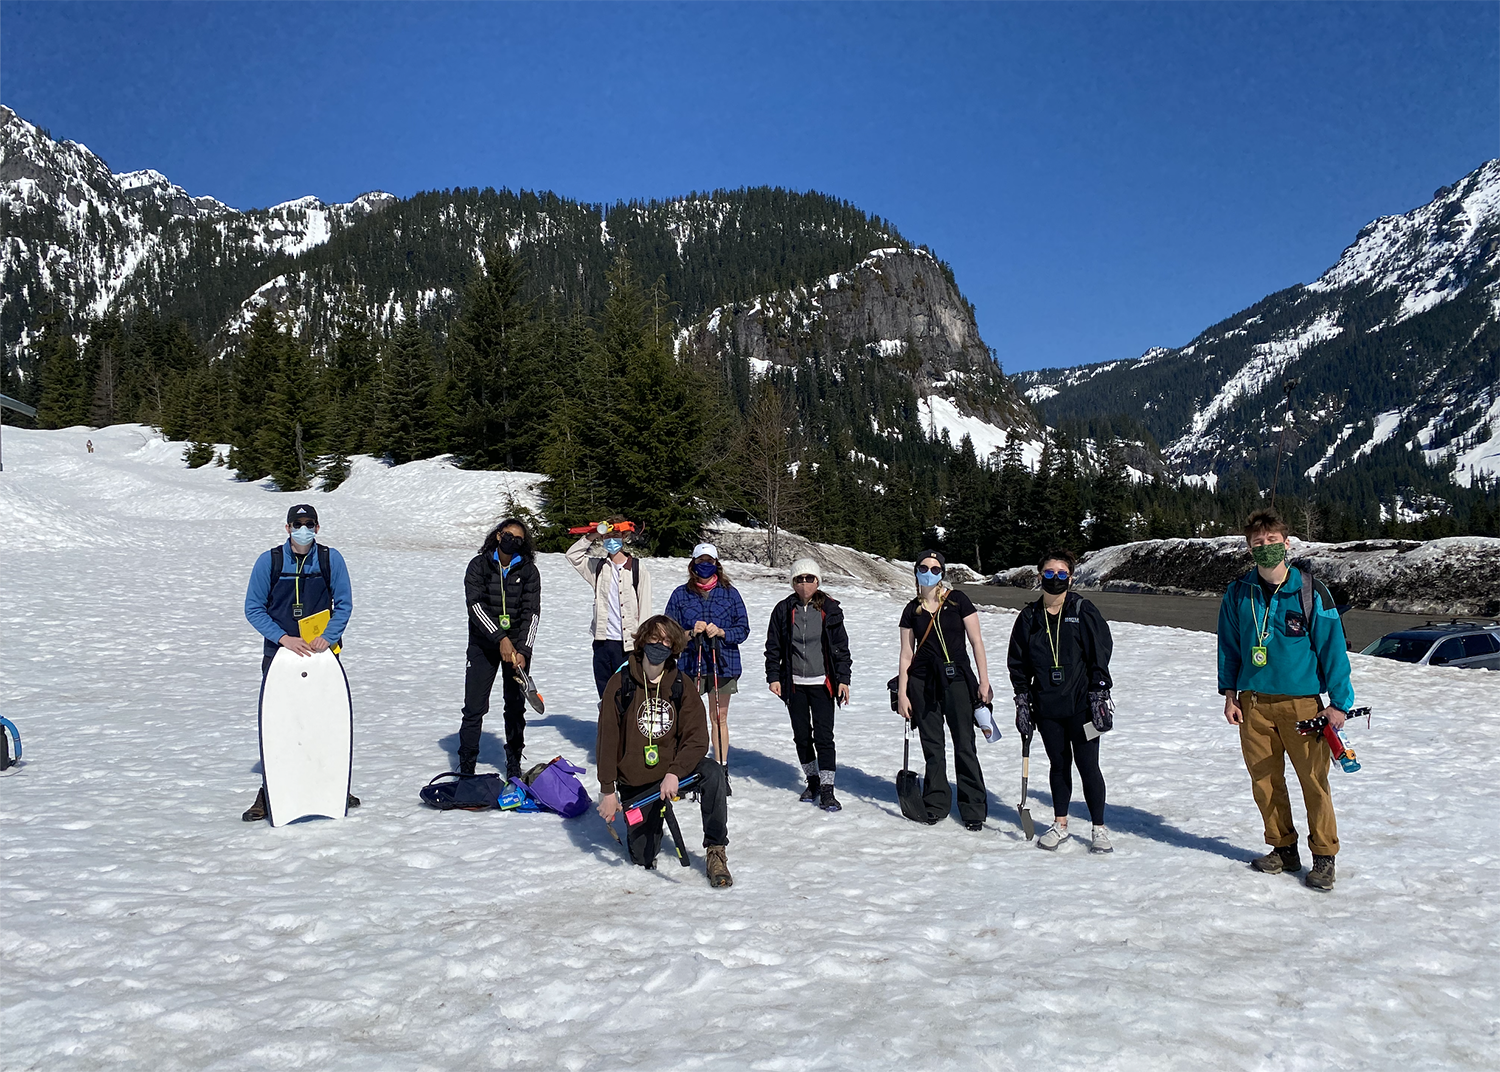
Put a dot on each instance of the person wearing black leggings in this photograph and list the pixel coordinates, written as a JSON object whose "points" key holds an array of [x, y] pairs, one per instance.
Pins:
{"points": [[1059, 668]]}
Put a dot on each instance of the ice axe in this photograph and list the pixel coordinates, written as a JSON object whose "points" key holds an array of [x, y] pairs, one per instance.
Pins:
{"points": [[1027, 826]]}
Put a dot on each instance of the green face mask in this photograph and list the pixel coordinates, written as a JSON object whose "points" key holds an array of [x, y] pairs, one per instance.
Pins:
{"points": [[1269, 555]]}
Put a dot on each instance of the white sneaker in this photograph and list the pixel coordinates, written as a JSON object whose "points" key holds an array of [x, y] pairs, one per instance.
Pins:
{"points": [[1101, 842], [1054, 837]]}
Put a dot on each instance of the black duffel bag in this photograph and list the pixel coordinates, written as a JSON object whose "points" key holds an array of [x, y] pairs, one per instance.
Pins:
{"points": [[469, 792]]}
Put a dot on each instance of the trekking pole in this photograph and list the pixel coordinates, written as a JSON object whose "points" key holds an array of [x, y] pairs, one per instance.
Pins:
{"points": [[713, 647]]}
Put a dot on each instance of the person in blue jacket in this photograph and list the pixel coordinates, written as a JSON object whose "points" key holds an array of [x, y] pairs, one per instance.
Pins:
{"points": [[291, 588], [711, 612], [1275, 662]]}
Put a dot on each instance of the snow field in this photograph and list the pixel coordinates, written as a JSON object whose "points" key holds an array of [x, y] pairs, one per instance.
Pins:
{"points": [[144, 925]]}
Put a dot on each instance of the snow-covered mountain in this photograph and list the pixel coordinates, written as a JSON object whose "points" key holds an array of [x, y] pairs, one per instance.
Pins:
{"points": [[1393, 350], [752, 274], [77, 236]]}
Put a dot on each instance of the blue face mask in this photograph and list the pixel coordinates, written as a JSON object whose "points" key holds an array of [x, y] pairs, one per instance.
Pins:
{"points": [[928, 579], [614, 546], [303, 536], [705, 569]]}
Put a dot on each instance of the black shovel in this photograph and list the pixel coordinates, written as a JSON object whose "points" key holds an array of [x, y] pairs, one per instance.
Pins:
{"points": [[1027, 826], [908, 786]]}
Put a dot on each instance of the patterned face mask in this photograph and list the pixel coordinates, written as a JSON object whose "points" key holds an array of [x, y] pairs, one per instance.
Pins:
{"points": [[1269, 555]]}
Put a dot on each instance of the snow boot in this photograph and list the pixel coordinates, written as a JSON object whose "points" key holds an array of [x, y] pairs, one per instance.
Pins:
{"points": [[257, 811], [352, 802], [466, 763], [718, 867], [1054, 837], [512, 765], [1100, 841], [973, 824], [1278, 860], [1321, 875], [827, 801], [810, 794]]}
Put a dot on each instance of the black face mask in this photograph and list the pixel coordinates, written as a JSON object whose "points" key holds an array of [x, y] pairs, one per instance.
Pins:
{"points": [[656, 654], [1054, 587], [510, 543]]}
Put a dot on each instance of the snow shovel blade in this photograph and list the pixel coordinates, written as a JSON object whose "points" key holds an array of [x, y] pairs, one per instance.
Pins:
{"points": [[909, 786], [1027, 826]]}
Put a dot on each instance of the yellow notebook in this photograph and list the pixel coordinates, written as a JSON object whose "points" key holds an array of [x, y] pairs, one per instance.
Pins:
{"points": [[312, 628]]}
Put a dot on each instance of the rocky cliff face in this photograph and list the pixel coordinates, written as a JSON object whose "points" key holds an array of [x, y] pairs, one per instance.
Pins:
{"points": [[899, 306]]}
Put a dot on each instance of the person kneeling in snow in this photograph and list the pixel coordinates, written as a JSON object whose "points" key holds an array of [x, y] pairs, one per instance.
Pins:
{"points": [[653, 729]]}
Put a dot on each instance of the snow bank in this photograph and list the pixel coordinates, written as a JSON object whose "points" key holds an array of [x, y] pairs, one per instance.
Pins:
{"points": [[1460, 575]]}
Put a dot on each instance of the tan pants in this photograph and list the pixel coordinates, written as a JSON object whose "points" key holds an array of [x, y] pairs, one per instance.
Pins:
{"points": [[1267, 737]]}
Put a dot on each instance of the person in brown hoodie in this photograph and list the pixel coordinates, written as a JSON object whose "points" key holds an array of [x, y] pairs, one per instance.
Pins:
{"points": [[655, 738]]}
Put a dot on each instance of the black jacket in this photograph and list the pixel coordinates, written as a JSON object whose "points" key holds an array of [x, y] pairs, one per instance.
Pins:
{"points": [[490, 595], [1084, 648], [836, 660]]}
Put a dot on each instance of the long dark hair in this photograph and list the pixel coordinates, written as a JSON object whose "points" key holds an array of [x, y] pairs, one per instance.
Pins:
{"points": [[492, 541]]}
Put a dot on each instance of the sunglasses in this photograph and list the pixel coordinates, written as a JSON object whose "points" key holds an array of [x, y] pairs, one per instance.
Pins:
{"points": [[932, 569], [304, 522], [1055, 574], [804, 578]]}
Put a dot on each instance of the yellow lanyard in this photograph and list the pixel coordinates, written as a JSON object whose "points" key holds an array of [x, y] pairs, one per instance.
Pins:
{"points": [[1055, 645], [942, 642]]}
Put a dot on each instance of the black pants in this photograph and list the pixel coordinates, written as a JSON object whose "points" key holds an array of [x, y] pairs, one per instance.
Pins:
{"points": [[932, 705], [1067, 745], [644, 839], [483, 663], [811, 708], [608, 655]]}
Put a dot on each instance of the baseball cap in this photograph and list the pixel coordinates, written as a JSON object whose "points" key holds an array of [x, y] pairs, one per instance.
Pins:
{"points": [[301, 511]]}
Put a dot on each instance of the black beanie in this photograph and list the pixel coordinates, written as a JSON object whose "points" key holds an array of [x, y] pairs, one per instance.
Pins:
{"points": [[930, 554]]}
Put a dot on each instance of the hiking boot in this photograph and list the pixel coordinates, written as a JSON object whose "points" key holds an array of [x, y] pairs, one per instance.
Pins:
{"points": [[1054, 837], [810, 794], [512, 765], [1278, 860], [352, 802], [973, 824], [827, 801], [1100, 841], [257, 811], [718, 867], [1321, 875], [466, 764]]}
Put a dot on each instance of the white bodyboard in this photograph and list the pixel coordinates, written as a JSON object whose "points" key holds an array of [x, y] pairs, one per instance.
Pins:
{"points": [[306, 737]]}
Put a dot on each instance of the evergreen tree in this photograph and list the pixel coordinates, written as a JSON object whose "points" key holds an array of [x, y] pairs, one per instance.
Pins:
{"points": [[1069, 533], [1012, 494], [1040, 522], [968, 508], [289, 436], [1111, 523], [254, 374], [409, 420], [64, 400]]}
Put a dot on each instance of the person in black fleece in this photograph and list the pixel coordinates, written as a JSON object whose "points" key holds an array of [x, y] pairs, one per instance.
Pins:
{"points": [[808, 666], [1059, 668], [503, 591]]}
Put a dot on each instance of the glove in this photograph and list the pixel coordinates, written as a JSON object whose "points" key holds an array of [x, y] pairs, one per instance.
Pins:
{"points": [[1023, 714], [1103, 710]]}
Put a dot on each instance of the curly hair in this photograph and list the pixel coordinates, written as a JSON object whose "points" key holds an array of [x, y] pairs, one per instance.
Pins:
{"points": [[660, 623], [492, 541]]}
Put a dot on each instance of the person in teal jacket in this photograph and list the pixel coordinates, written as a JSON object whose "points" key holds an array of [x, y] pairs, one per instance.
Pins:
{"points": [[1275, 662]]}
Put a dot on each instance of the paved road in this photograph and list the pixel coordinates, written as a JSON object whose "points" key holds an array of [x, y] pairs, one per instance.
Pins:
{"points": [[1200, 613]]}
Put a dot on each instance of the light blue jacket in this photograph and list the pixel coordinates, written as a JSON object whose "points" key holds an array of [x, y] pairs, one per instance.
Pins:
{"points": [[258, 593], [1303, 658]]}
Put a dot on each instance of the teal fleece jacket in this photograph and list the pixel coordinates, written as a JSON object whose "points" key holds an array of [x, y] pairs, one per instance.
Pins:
{"points": [[1303, 658]]}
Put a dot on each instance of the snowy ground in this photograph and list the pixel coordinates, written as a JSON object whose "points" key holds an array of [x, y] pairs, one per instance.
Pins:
{"points": [[145, 926]]}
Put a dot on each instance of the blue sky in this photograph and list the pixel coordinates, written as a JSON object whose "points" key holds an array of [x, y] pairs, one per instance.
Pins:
{"points": [[1103, 178]]}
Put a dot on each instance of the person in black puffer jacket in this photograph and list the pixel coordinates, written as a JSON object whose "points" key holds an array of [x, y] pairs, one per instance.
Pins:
{"points": [[1059, 667], [808, 666], [503, 591]]}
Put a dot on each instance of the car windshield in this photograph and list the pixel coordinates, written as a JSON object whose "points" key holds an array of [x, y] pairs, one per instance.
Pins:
{"points": [[1406, 649]]}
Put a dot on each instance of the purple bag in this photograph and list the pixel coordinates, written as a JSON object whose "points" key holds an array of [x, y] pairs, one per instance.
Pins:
{"points": [[555, 786]]}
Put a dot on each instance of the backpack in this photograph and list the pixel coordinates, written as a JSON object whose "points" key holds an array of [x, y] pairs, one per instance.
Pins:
{"points": [[555, 786], [278, 563], [626, 692], [635, 574], [1308, 583], [470, 792]]}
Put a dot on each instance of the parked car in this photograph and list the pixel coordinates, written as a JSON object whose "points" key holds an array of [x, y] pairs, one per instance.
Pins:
{"points": [[1454, 643]]}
